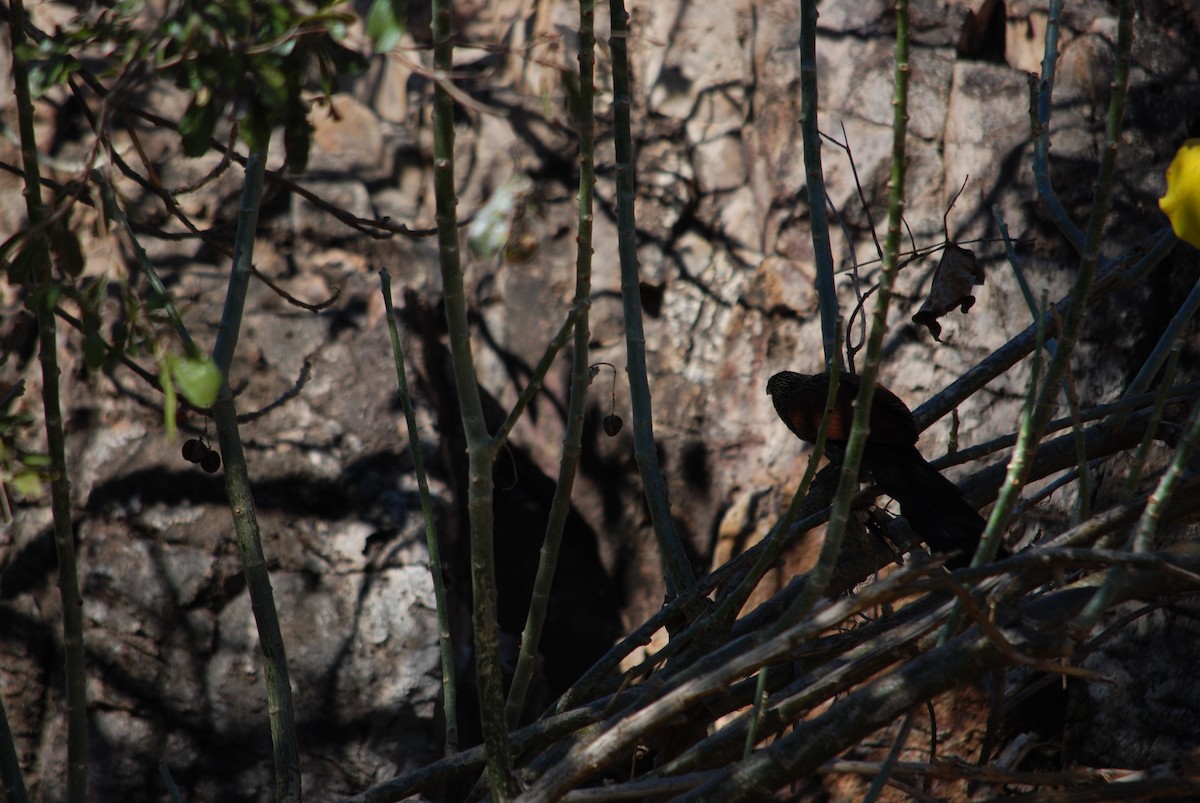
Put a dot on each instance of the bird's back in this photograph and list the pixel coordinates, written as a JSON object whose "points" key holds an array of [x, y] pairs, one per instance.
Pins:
{"points": [[800, 401]]}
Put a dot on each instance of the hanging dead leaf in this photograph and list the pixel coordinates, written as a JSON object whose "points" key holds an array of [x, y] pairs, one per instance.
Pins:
{"points": [[956, 273]]}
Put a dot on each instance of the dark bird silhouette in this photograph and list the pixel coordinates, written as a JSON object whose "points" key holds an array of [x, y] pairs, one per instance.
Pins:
{"points": [[933, 505]]}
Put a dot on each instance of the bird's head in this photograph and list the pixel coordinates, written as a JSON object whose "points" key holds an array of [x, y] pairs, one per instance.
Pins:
{"points": [[781, 382]]}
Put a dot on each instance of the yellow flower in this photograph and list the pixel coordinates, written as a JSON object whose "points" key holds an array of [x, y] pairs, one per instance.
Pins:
{"points": [[1182, 202]]}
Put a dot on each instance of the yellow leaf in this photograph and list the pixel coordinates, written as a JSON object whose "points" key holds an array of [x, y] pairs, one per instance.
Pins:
{"points": [[1181, 204]]}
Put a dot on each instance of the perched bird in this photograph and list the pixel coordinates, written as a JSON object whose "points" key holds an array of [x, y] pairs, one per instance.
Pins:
{"points": [[933, 505]]}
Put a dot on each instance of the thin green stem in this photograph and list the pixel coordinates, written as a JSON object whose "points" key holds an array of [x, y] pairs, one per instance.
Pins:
{"points": [[480, 487], [229, 328], [1170, 481], [1015, 262], [1166, 341], [1018, 271], [560, 504], [156, 284], [679, 569], [822, 572], [241, 497], [1068, 336], [815, 178], [64, 538], [449, 696], [728, 608], [1010, 494], [44, 301], [1160, 403], [756, 713], [536, 378], [1084, 495], [1139, 541], [1041, 132]]}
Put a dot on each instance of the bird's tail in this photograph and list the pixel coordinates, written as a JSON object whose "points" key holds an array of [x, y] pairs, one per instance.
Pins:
{"points": [[933, 505]]}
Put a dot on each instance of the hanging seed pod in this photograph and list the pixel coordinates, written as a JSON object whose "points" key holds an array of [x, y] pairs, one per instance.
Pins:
{"points": [[194, 450], [211, 462], [612, 424]]}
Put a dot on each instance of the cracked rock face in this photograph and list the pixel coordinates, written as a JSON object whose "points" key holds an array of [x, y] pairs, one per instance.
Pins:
{"points": [[727, 272]]}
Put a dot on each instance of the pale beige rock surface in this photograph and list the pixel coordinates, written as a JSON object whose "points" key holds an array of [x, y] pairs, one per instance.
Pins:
{"points": [[175, 673]]}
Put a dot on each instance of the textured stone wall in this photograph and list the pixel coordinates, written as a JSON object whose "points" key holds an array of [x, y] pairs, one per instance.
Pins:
{"points": [[174, 669]]}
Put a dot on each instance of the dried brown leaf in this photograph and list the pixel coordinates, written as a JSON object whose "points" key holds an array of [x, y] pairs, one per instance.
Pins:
{"points": [[956, 274]]}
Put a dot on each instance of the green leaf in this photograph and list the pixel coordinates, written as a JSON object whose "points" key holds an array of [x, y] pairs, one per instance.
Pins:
{"points": [[27, 484], [198, 378], [69, 250], [47, 69], [196, 126], [297, 133], [256, 127], [95, 350], [386, 24], [156, 301], [45, 297], [271, 87], [36, 460]]}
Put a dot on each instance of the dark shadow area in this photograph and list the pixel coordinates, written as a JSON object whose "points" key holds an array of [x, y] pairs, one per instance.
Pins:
{"points": [[583, 618]]}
